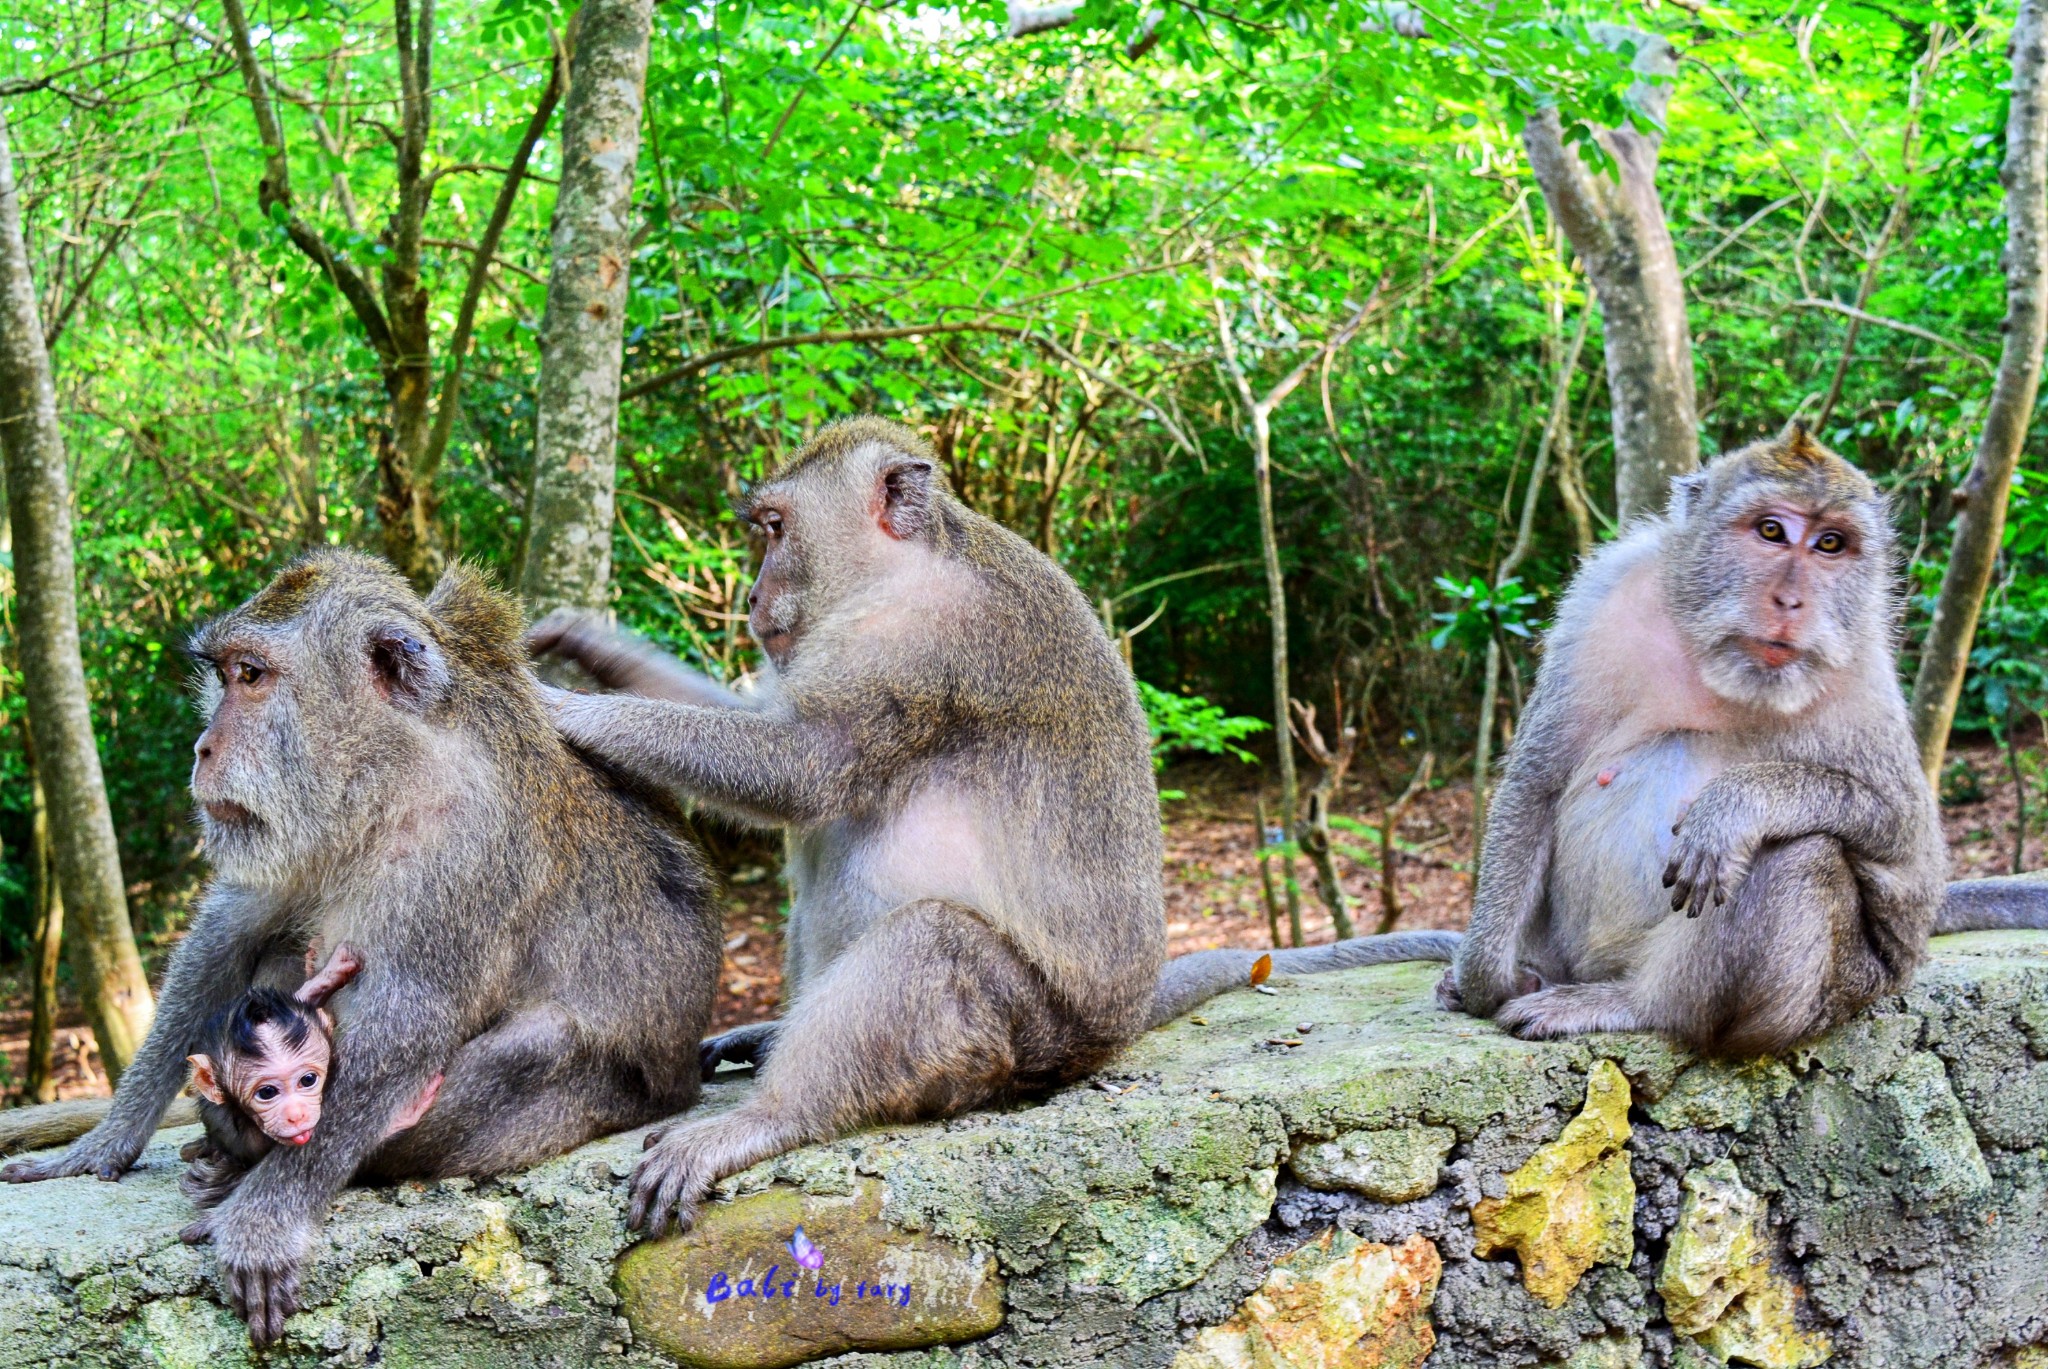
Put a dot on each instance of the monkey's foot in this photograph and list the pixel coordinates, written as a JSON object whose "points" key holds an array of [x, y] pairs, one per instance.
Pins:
{"points": [[682, 1163], [409, 1117], [748, 1045], [1447, 995], [1569, 1009]]}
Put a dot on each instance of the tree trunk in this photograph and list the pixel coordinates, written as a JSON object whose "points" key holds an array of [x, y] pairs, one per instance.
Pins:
{"points": [[46, 944], [1981, 526], [568, 559], [53, 677], [1618, 229]]}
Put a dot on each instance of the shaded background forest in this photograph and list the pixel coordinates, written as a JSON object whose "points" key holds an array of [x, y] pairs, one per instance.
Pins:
{"points": [[1048, 252]]}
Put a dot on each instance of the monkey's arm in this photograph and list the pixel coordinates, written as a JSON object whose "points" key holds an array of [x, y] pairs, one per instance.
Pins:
{"points": [[1749, 805], [619, 660], [208, 969], [775, 767], [1514, 867]]}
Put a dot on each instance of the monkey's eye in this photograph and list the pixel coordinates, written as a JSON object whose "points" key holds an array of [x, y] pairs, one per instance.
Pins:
{"points": [[1771, 530], [1831, 544], [770, 523], [267, 1093], [309, 1080], [249, 673]]}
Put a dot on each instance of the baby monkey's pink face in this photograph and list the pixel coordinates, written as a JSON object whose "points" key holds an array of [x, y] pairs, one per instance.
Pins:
{"points": [[279, 1088]]}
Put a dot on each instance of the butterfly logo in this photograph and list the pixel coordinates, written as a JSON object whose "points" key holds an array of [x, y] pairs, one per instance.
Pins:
{"points": [[807, 1253]]}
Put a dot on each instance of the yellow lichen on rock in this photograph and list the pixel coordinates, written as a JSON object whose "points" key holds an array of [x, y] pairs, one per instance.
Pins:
{"points": [[1336, 1303], [495, 1258], [1717, 1282], [1573, 1204]]}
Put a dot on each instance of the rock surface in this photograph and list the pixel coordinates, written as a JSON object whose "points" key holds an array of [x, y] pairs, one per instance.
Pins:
{"points": [[1880, 1198]]}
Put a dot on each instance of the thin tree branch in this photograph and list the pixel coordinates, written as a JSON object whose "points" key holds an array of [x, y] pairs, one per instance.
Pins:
{"points": [[274, 192], [485, 252], [1896, 325]]}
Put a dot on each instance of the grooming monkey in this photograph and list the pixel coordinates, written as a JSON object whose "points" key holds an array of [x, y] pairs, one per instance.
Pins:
{"points": [[263, 1074], [380, 772], [961, 763], [1712, 822]]}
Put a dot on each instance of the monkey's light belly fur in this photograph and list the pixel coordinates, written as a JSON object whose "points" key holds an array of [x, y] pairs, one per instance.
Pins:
{"points": [[1880, 1198]]}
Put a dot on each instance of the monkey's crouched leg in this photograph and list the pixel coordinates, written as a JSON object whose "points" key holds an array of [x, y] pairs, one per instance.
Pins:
{"points": [[929, 1012], [1567, 1009], [211, 1176]]}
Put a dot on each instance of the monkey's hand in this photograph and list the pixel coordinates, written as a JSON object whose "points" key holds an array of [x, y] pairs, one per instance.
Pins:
{"points": [[107, 1152], [619, 660], [748, 1045], [1717, 840], [259, 1252]]}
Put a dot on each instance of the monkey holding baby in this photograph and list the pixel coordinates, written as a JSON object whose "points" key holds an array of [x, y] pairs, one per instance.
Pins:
{"points": [[379, 772], [1712, 822]]}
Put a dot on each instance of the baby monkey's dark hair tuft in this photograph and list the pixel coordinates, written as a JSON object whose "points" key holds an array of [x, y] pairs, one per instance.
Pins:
{"points": [[235, 1029]]}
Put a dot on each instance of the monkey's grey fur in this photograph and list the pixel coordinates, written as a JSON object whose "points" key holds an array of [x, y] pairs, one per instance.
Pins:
{"points": [[961, 763], [965, 774], [1664, 748], [535, 927]]}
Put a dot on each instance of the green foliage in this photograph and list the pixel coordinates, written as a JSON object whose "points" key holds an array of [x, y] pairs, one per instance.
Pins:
{"points": [[1183, 723], [1482, 610], [1020, 247]]}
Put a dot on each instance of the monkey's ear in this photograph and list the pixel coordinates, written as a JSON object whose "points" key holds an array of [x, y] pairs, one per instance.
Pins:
{"points": [[326, 1021], [482, 621], [903, 496], [408, 669], [205, 1080], [1685, 494]]}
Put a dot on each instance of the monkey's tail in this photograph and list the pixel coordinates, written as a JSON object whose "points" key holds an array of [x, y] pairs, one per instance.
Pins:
{"points": [[1988, 905], [1200, 975], [58, 1124]]}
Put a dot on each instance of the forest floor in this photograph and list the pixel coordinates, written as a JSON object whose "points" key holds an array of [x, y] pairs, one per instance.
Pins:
{"points": [[1213, 891]]}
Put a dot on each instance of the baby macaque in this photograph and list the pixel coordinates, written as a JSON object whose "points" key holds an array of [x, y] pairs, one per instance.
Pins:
{"points": [[262, 1082]]}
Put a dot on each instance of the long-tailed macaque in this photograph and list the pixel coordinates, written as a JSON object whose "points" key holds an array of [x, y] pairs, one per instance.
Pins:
{"points": [[1712, 822], [381, 771], [965, 774]]}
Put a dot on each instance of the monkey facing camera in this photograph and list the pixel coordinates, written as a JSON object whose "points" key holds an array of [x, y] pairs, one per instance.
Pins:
{"points": [[1712, 822], [380, 772]]}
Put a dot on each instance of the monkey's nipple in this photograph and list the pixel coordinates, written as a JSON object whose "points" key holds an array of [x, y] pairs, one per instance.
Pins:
{"points": [[1604, 778]]}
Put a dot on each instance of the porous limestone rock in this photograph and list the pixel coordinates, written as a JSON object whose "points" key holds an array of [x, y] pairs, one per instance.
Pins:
{"points": [[731, 1294], [1336, 1303], [1572, 1206], [1394, 1166], [1900, 1166], [1717, 1281]]}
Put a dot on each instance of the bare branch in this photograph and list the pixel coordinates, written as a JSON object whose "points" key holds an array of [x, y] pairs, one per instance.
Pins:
{"points": [[1897, 325], [274, 191], [485, 252]]}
